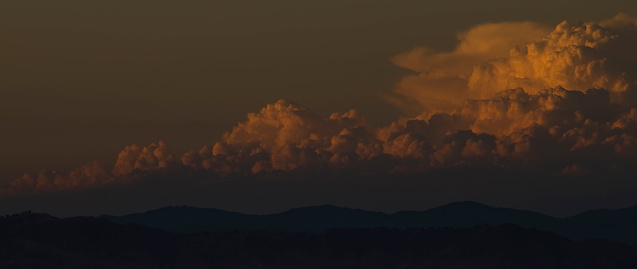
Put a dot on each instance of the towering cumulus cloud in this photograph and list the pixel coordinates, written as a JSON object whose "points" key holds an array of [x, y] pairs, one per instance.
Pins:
{"points": [[285, 136], [495, 57], [512, 96]]}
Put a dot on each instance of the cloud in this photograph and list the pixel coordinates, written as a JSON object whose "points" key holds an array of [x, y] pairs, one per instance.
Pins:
{"points": [[285, 136], [554, 130], [93, 174], [500, 56], [547, 130], [152, 157], [511, 96], [133, 159]]}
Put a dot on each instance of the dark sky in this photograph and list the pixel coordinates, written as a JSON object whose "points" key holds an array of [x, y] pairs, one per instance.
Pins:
{"points": [[79, 81]]}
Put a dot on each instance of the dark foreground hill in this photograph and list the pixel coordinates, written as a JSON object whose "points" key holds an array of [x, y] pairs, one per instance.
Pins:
{"points": [[617, 225], [41, 241]]}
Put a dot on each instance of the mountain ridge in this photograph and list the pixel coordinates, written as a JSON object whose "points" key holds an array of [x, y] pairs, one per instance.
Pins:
{"points": [[617, 225]]}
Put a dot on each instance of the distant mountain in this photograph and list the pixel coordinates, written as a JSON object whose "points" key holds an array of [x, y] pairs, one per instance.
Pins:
{"points": [[40, 241], [188, 220], [185, 220], [618, 225], [468, 214]]}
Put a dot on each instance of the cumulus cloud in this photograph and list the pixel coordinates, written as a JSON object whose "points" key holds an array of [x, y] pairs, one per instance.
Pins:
{"points": [[151, 157], [500, 56], [286, 136], [511, 96], [90, 175], [554, 130], [131, 160], [551, 129]]}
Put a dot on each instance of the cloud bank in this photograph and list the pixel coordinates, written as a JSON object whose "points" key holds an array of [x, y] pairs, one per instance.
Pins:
{"points": [[511, 96]]}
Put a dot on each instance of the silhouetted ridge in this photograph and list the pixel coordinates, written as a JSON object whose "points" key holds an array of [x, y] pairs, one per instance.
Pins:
{"points": [[184, 219], [618, 225], [468, 214], [320, 218], [29, 218]]}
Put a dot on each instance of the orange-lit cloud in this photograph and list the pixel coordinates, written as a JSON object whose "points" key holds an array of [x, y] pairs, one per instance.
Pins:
{"points": [[511, 96], [90, 175], [500, 56], [151, 157], [515, 129], [284, 136]]}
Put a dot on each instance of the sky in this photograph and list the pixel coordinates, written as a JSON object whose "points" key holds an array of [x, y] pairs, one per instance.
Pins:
{"points": [[120, 107]]}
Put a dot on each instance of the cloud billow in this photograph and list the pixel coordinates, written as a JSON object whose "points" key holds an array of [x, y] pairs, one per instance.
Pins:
{"points": [[500, 56], [512, 96]]}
